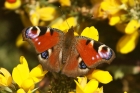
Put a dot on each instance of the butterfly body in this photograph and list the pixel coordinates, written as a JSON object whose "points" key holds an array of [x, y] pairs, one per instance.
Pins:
{"points": [[63, 52]]}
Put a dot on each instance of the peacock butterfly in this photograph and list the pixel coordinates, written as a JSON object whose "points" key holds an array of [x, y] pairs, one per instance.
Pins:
{"points": [[63, 52]]}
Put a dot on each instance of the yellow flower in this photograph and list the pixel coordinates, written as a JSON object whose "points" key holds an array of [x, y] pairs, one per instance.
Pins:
{"points": [[91, 32], [127, 43], [37, 73], [12, 4], [113, 6], [112, 9], [5, 77], [132, 26], [82, 86], [114, 20], [99, 90], [22, 91], [65, 24], [45, 14], [100, 75], [20, 42], [110, 6], [117, 18], [25, 78], [65, 2]]}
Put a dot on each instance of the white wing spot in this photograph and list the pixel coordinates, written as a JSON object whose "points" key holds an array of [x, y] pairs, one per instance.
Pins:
{"points": [[97, 56], [79, 59], [48, 30], [93, 58], [39, 43], [91, 42], [36, 39]]}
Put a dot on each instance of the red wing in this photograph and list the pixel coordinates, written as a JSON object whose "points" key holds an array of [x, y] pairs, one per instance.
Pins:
{"points": [[93, 53], [43, 38], [47, 42], [85, 54]]}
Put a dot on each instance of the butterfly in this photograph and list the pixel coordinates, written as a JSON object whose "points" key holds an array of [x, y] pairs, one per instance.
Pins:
{"points": [[65, 53]]}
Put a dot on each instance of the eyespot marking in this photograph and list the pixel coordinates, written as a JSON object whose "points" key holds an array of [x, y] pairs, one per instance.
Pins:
{"points": [[82, 65], [105, 52], [32, 32], [46, 54]]}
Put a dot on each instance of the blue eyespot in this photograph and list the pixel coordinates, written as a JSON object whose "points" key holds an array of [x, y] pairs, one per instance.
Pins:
{"points": [[45, 55], [82, 65], [26, 33]]}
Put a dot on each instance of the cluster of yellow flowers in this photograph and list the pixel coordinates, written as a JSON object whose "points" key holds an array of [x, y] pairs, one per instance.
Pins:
{"points": [[26, 79], [121, 13], [21, 76], [124, 14]]}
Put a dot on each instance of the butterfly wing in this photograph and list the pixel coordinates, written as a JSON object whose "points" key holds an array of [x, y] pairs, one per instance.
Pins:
{"points": [[86, 54], [47, 42], [93, 52]]}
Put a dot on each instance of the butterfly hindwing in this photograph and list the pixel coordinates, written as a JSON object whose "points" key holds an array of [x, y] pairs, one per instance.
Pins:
{"points": [[47, 42], [74, 65]]}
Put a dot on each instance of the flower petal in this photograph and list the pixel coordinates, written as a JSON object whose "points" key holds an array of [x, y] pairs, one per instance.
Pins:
{"points": [[14, 5], [99, 90], [28, 84], [113, 20], [34, 18], [79, 88], [91, 32], [132, 26], [91, 86], [127, 43], [101, 76], [65, 2], [47, 16], [82, 81], [5, 77], [110, 6], [3, 81], [66, 24], [20, 42], [37, 73], [57, 23], [21, 71], [20, 91]]}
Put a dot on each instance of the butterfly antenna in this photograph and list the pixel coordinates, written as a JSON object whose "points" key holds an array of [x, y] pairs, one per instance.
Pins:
{"points": [[65, 18]]}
